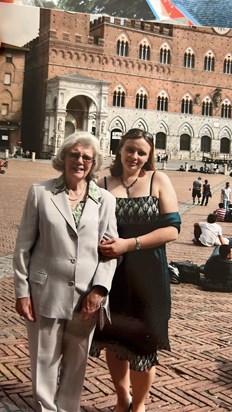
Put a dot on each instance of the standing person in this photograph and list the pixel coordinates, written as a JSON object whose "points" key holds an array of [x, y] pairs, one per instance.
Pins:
{"points": [[147, 216], [196, 190], [60, 279], [209, 233], [226, 195], [206, 193]]}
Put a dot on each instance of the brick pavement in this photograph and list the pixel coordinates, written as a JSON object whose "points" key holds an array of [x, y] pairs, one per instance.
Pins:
{"points": [[195, 376]]}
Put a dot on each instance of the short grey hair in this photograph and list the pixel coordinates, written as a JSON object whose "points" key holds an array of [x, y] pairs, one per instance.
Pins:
{"points": [[82, 138]]}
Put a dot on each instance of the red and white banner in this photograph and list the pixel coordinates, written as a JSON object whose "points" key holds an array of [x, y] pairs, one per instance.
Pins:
{"points": [[166, 10]]}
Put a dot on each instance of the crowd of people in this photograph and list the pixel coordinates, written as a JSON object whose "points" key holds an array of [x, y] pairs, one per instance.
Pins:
{"points": [[218, 268]]}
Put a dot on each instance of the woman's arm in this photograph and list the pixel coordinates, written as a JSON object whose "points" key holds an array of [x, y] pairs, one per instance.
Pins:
{"points": [[26, 238], [164, 191]]}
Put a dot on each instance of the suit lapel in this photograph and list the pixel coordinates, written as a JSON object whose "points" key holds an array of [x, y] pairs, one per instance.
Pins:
{"points": [[61, 202], [90, 212]]}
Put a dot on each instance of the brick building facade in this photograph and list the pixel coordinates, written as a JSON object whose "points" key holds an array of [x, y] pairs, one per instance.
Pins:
{"points": [[110, 74], [12, 62]]}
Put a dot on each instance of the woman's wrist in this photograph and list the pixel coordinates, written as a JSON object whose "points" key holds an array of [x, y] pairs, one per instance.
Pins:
{"points": [[137, 243]]}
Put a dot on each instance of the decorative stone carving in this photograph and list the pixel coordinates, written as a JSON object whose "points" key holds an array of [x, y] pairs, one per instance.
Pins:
{"points": [[217, 97], [60, 124], [197, 99]]}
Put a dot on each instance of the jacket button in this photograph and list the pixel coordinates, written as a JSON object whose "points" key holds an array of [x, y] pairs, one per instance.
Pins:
{"points": [[71, 283], [73, 260]]}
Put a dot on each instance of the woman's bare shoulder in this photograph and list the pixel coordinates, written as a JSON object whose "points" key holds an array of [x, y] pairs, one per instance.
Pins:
{"points": [[161, 177], [104, 181]]}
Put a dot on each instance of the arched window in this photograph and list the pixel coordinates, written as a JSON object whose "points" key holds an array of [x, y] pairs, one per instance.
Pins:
{"points": [[225, 145], [119, 97], [144, 50], [205, 144], [160, 141], [165, 54], [185, 140], [207, 107], [122, 46], [187, 105], [116, 134], [162, 102], [226, 110], [141, 100], [189, 59], [209, 62], [227, 67]]}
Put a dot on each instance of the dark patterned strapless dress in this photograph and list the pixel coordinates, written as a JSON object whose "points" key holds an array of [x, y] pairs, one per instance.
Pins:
{"points": [[140, 295]]}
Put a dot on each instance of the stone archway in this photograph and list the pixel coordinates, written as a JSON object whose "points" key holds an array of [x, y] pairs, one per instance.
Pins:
{"points": [[81, 104]]}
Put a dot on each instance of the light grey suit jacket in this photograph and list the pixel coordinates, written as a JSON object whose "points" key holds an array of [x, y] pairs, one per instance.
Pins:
{"points": [[56, 263]]}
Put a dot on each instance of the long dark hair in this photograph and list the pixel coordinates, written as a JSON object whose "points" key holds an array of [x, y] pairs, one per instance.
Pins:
{"points": [[116, 169]]}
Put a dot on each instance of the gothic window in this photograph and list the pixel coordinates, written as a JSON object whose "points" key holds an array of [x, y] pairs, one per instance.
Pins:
{"points": [[165, 54], [226, 110], [205, 144], [185, 142], [119, 97], [122, 47], [209, 62], [144, 50], [227, 69], [189, 59], [225, 145], [187, 105], [141, 100], [207, 107], [160, 141], [162, 102]]}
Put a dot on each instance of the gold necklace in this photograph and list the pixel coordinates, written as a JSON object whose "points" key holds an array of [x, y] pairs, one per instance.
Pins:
{"points": [[129, 186], [78, 196]]}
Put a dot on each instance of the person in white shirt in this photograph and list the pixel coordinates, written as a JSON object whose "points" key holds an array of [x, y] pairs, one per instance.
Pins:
{"points": [[209, 233], [225, 195]]}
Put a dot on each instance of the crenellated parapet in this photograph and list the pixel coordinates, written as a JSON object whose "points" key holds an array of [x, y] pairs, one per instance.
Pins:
{"points": [[146, 26]]}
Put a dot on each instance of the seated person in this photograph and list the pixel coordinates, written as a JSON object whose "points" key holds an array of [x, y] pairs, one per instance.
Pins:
{"points": [[209, 233], [220, 213], [228, 215], [218, 270]]}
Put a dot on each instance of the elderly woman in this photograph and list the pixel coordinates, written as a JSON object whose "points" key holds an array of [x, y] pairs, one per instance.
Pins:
{"points": [[61, 281]]}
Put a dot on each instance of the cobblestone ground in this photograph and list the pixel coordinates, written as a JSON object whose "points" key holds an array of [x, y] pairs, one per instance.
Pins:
{"points": [[195, 376]]}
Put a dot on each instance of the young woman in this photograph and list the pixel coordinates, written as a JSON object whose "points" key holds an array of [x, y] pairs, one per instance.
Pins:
{"points": [[147, 217]]}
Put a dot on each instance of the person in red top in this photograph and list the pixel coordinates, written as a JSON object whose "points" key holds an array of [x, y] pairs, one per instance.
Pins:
{"points": [[220, 213]]}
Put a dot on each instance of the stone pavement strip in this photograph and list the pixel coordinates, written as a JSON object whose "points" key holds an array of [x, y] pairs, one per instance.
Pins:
{"points": [[195, 376]]}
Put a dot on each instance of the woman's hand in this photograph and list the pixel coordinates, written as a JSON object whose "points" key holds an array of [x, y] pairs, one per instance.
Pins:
{"points": [[114, 247], [92, 303], [24, 308]]}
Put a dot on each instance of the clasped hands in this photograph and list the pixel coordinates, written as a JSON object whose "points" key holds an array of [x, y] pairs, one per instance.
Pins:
{"points": [[113, 247]]}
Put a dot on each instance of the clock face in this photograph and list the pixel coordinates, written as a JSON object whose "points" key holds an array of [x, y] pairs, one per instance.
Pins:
{"points": [[221, 30]]}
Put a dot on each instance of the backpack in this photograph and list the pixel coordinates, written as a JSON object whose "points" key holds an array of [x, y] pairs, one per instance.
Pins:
{"points": [[189, 272]]}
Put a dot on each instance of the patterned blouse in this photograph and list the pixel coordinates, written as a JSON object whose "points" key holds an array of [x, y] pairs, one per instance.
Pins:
{"points": [[92, 193]]}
